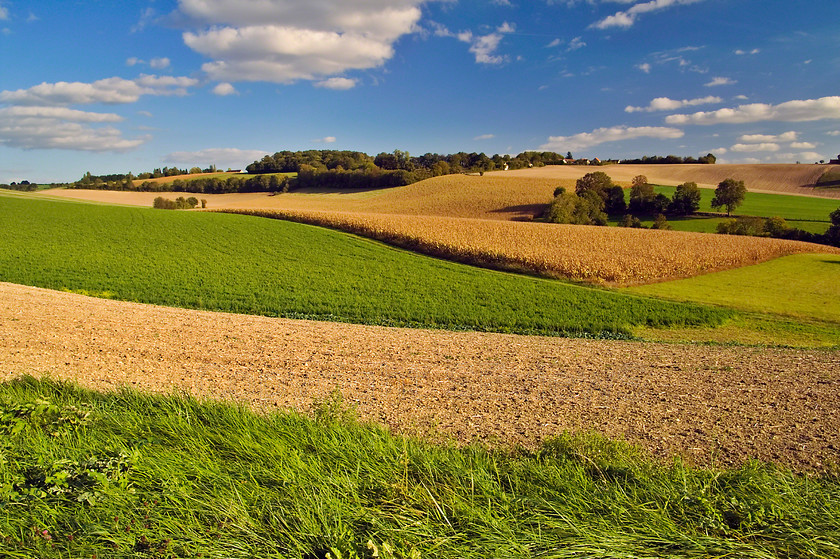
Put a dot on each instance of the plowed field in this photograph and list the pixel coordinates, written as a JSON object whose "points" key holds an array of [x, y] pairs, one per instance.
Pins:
{"points": [[712, 405]]}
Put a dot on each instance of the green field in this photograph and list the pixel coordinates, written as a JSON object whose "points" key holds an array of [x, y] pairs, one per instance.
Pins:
{"points": [[85, 474], [793, 300], [809, 214], [260, 266]]}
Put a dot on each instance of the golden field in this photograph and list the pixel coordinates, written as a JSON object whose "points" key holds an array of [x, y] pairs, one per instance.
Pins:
{"points": [[605, 255]]}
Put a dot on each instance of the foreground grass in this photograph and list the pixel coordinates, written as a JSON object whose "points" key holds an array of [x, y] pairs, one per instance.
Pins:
{"points": [[258, 266], [125, 474]]}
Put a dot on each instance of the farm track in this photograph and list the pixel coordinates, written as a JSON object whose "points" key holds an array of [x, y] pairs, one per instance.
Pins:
{"points": [[713, 405]]}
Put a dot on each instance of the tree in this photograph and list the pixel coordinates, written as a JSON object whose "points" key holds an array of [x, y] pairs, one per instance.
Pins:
{"points": [[615, 203], [729, 194], [686, 199], [832, 236], [597, 182], [642, 196]]}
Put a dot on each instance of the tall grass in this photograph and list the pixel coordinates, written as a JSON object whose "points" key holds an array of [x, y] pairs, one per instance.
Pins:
{"points": [[258, 266], [125, 474]]}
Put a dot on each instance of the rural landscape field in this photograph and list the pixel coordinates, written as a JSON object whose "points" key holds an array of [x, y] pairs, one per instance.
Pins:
{"points": [[419, 279]]}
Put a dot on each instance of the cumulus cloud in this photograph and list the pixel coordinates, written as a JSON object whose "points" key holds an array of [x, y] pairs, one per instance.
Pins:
{"points": [[338, 84], [224, 89], [666, 104], [755, 147], [285, 40], [484, 46], [758, 138], [627, 18], [644, 68], [221, 157], [834, 133], [740, 52], [613, 134], [575, 44], [720, 81], [824, 108], [159, 63], [61, 128], [803, 145], [109, 91]]}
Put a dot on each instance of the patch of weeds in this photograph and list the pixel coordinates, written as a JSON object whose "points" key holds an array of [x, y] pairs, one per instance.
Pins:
{"points": [[44, 415], [80, 481]]}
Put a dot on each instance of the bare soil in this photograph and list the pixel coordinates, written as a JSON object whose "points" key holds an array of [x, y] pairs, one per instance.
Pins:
{"points": [[712, 405]]}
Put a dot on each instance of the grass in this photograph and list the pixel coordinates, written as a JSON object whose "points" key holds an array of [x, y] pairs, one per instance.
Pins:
{"points": [[124, 474], [794, 300], [258, 266]]}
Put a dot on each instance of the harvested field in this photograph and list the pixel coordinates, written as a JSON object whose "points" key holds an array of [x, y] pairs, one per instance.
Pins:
{"points": [[620, 256], [712, 405], [771, 178]]}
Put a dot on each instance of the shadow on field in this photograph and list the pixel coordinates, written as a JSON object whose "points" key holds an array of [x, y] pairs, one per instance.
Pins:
{"points": [[522, 212]]}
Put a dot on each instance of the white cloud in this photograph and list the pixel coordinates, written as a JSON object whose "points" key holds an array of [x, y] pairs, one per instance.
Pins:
{"points": [[575, 44], [4, 13], [485, 137], [133, 61], [110, 91], [61, 128], [803, 145], [221, 157], [716, 151], [644, 68], [485, 46], [811, 156], [286, 40], [159, 63], [755, 147], [741, 97], [824, 108], [740, 52], [224, 89], [325, 140], [720, 81], [338, 84], [613, 134], [758, 138], [666, 104], [628, 17], [554, 43], [834, 133]]}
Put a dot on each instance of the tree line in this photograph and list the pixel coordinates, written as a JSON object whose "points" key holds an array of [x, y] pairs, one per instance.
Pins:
{"points": [[597, 198], [708, 159]]}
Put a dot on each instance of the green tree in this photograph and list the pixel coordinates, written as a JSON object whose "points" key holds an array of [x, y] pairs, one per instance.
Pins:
{"points": [[615, 202], [686, 199], [641, 195], [729, 194], [597, 182], [832, 236]]}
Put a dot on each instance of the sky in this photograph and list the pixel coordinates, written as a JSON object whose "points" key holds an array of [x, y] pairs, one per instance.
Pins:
{"points": [[112, 87]]}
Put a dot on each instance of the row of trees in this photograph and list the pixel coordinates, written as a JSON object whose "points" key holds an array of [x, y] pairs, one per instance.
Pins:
{"points": [[24, 186], [778, 228], [424, 166], [596, 197], [708, 159], [179, 203]]}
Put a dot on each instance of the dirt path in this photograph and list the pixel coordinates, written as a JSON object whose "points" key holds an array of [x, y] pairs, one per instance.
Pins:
{"points": [[713, 405]]}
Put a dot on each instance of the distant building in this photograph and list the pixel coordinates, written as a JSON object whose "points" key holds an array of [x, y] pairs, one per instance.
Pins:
{"points": [[834, 161]]}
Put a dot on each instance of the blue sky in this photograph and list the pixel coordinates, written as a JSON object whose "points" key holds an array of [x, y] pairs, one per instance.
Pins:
{"points": [[128, 86]]}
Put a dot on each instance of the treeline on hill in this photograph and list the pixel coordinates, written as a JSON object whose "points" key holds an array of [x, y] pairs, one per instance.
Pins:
{"points": [[597, 198], [24, 186], [707, 159], [342, 170]]}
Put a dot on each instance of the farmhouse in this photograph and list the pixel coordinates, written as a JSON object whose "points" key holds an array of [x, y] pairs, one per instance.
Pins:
{"points": [[834, 161]]}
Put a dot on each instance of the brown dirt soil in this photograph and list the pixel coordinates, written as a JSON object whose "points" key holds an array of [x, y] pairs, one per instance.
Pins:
{"points": [[712, 405]]}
